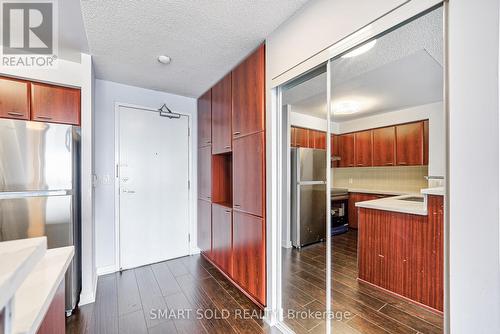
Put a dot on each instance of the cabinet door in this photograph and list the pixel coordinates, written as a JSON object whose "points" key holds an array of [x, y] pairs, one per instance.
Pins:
{"points": [[410, 144], [204, 230], [221, 116], [222, 237], [205, 119], [302, 137], [55, 104], [384, 146], [205, 173], [319, 139], [334, 148], [346, 150], [14, 99], [363, 148], [248, 174], [249, 254], [426, 142], [249, 94], [292, 137]]}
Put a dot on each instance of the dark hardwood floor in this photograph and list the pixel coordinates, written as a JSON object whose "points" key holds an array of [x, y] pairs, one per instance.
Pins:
{"points": [[358, 307], [128, 302]]}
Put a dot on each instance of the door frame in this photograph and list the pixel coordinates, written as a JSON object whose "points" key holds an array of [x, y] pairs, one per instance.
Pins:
{"points": [[192, 249]]}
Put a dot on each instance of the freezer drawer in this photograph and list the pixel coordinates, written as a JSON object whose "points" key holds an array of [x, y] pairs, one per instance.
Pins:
{"points": [[309, 216]]}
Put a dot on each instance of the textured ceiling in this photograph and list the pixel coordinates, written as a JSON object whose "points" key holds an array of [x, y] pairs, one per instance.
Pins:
{"points": [[403, 69], [204, 38]]}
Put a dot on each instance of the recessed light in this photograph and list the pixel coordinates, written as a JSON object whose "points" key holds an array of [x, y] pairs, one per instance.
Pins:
{"points": [[346, 108], [164, 59], [360, 50]]}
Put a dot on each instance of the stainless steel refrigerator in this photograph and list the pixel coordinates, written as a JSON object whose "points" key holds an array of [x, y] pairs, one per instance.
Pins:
{"points": [[40, 189], [308, 196]]}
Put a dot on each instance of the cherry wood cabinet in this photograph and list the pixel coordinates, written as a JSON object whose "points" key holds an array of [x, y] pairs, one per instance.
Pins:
{"points": [[319, 139], [352, 210], [403, 253], [302, 137], [55, 104], [205, 173], [292, 137], [204, 230], [14, 99], [363, 149], [334, 149], [205, 119], [222, 231], [249, 249], [426, 142], [346, 150], [248, 94], [221, 116], [410, 144], [248, 174], [384, 146], [222, 179]]}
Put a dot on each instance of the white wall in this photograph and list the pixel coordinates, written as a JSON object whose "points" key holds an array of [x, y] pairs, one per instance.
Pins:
{"points": [[106, 94], [474, 166], [437, 139], [76, 74]]}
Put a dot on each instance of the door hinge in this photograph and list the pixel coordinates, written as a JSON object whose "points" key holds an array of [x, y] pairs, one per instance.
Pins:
{"points": [[189, 237], [189, 184], [189, 131]]}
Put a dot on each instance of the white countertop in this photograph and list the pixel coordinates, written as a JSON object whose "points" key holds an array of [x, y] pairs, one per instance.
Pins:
{"points": [[396, 205], [439, 191], [18, 258], [381, 192], [35, 295]]}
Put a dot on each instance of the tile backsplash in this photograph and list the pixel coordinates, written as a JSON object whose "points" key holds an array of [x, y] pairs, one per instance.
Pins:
{"points": [[401, 178]]}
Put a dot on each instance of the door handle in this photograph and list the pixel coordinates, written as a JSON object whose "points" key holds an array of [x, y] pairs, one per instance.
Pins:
{"points": [[43, 117], [236, 133], [13, 113]]}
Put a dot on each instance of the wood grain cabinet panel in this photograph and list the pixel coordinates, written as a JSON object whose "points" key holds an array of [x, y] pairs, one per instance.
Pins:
{"points": [[204, 230], [55, 104], [346, 150], [302, 137], [334, 149], [205, 119], [205, 173], [363, 148], [292, 137], [14, 99], [248, 174], [249, 254], [222, 253], [410, 144], [221, 116], [384, 146], [426, 142], [248, 92], [319, 140]]}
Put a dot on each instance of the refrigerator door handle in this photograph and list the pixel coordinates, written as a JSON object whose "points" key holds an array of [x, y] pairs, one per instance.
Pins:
{"points": [[39, 193]]}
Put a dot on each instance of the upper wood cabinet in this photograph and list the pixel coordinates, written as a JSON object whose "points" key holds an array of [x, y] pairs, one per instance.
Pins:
{"points": [[363, 149], [426, 142], [292, 137], [222, 237], [221, 116], [248, 174], [384, 146], [302, 137], [205, 119], [205, 173], [319, 139], [204, 230], [55, 104], [14, 99], [346, 150], [334, 149], [248, 90], [249, 251], [410, 144]]}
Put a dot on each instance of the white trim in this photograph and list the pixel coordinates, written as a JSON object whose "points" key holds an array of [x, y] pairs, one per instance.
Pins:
{"points": [[89, 298], [283, 328], [192, 249], [107, 270]]}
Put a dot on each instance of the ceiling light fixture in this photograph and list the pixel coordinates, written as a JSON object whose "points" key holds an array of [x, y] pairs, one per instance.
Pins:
{"points": [[360, 50], [346, 108], [163, 59]]}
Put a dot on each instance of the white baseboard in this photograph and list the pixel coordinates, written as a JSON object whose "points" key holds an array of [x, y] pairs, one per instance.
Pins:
{"points": [[286, 244], [106, 270], [88, 298], [195, 251]]}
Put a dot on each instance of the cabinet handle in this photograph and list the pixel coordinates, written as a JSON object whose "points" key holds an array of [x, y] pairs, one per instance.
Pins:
{"points": [[209, 141], [228, 211], [389, 164], [360, 165], [13, 113], [208, 197], [236, 133], [402, 163], [227, 146], [236, 205], [44, 117]]}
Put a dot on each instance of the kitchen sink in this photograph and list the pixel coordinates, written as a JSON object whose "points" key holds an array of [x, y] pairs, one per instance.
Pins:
{"points": [[412, 199]]}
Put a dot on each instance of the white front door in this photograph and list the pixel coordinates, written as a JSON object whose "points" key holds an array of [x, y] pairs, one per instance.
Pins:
{"points": [[153, 187]]}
